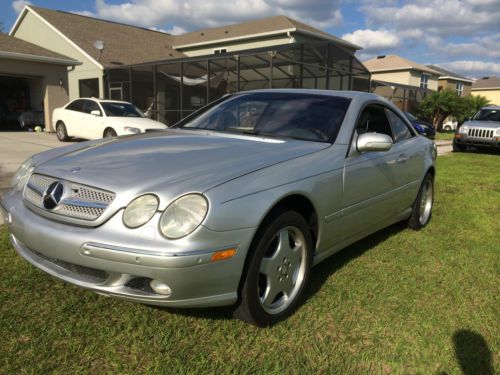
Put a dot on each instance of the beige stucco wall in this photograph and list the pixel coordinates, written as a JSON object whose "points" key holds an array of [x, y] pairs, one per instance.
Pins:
{"points": [[44, 84], [406, 77], [451, 84], [34, 30], [492, 95]]}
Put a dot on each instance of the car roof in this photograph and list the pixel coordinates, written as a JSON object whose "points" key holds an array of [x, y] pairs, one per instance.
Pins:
{"points": [[491, 107], [105, 100], [345, 94]]}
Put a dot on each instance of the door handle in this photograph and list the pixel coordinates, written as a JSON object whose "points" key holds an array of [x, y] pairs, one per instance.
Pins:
{"points": [[402, 158]]}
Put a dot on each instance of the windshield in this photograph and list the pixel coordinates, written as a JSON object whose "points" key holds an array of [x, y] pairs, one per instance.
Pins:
{"points": [[310, 117], [488, 115], [115, 109]]}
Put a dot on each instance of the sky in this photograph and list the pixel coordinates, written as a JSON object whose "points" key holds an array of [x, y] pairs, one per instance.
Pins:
{"points": [[459, 35]]}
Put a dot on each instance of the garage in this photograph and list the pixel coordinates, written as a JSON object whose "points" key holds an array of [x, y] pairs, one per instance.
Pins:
{"points": [[33, 82]]}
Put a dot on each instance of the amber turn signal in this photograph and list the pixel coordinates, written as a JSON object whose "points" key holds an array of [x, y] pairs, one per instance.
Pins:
{"points": [[458, 135], [223, 254]]}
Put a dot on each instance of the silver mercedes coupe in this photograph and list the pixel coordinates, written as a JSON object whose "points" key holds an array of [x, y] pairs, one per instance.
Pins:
{"points": [[234, 205]]}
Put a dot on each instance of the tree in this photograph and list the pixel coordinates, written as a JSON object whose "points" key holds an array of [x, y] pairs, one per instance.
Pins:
{"points": [[438, 105]]}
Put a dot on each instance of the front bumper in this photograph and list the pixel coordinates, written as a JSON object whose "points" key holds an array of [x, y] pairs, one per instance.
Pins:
{"points": [[119, 262], [463, 139]]}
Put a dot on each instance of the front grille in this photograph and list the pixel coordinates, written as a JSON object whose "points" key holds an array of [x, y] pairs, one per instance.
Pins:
{"points": [[480, 133], [87, 273], [78, 201]]}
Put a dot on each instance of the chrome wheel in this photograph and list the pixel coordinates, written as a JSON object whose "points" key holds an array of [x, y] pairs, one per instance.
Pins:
{"points": [[426, 199], [109, 133], [282, 270], [60, 132]]}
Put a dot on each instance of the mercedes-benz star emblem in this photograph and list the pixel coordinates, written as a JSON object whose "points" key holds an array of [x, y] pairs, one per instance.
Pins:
{"points": [[53, 195]]}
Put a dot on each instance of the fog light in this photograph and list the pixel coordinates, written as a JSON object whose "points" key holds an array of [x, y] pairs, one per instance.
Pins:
{"points": [[160, 288]]}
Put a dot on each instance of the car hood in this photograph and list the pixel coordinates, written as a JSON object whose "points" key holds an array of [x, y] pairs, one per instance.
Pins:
{"points": [[137, 122], [483, 124], [173, 161]]}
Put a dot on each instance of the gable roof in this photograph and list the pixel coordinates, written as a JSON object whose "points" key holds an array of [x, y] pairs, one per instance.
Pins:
{"points": [[14, 48], [446, 74], [253, 29], [393, 63], [487, 83], [124, 44]]}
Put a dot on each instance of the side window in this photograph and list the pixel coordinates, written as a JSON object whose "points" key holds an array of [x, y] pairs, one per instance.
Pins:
{"points": [[77, 105], [90, 106], [401, 131], [374, 120]]}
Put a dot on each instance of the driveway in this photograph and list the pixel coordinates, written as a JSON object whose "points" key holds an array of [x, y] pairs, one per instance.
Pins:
{"points": [[16, 147]]}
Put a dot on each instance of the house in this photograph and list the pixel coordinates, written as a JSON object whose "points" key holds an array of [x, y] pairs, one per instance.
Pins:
{"points": [[488, 87], [452, 81], [32, 78], [168, 77], [400, 80]]}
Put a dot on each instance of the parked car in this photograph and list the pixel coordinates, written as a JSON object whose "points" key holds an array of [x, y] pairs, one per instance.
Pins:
{"points": [[450, 125], [482, 131], [234, 205], [422, 127], [92, 118], [20, 119]]}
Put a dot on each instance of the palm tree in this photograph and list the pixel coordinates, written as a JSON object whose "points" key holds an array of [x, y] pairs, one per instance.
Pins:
{"points": [[438, 105]]}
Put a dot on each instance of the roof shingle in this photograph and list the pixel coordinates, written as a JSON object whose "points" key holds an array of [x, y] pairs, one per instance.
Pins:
{"points": [[394, 62], [487, 83]]}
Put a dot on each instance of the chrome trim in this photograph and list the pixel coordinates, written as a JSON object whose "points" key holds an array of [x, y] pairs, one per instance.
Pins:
{"points": [[76, 202], [35, 188]]}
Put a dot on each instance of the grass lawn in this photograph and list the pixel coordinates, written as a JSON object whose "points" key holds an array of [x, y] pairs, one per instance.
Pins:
{"points": [[445, 136], [398, 302]]}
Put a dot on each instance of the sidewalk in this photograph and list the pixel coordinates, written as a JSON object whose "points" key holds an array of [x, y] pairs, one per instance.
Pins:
{"points": [[444, 147]]}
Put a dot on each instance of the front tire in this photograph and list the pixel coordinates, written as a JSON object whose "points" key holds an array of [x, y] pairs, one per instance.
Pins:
{"points": [[61, 132], [278, 270], [422, 208], [447, 128], [109, 132], [458, 148]]}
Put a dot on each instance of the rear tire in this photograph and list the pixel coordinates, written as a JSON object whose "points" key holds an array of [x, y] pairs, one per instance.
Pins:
{"points": [[61, 132], [447, 128], [422, 208], [280, 260], [109, 132], [458, 148]]}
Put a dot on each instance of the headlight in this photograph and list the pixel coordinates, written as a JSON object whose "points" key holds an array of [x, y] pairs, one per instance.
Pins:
{"points": [[140, 210], [463, 129], [132, 130], [183, 216], [22, 175]]}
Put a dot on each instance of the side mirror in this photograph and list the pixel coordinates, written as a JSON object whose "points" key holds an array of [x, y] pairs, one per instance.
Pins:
{"points": [[373, 142], [95, 112]]}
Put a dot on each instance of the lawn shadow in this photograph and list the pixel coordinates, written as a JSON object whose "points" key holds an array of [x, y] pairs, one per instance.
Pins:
{"points": [[472, 353], [487, 151], [322, 271], [318, 276]]}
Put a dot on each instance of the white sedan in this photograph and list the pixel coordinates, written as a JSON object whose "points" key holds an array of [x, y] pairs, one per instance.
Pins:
{"points": [[97, 118]]}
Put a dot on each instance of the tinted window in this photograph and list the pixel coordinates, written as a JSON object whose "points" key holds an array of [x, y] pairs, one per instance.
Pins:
{"points": [[286, 115], [77, 105], [399, 127], [91, 106], [374, 120], [115, 109]]}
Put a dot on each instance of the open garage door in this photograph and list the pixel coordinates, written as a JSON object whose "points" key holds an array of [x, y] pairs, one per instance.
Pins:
{"points": [[21, 102]]}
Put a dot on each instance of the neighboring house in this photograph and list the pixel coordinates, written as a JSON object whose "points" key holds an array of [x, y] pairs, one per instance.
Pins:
{"points": [[400, 80], [168, 77], [452, 81], [488, 87], [32, 78], [396, 69]]}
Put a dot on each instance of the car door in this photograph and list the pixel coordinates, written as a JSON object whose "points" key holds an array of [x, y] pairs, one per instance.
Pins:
{"points": [[372, 180], [93, 126], [72, 117]]}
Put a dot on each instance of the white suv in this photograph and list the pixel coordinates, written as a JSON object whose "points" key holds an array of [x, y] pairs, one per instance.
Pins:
{"points": [[483, 131]]}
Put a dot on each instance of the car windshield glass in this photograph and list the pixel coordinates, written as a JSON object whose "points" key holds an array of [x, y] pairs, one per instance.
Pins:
{"points": [[488, 115], [115, 109], [410, 117], [304, 116]]}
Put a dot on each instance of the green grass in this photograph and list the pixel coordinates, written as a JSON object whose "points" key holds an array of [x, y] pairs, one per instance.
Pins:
{"points": [[445, 136], [398, 302]]}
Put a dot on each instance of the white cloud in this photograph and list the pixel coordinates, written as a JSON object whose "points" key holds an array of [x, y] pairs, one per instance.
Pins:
{"points": [[18, 5], [441, 17], [472, 68], [485, 47], [190, 15], [373, 40]]}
